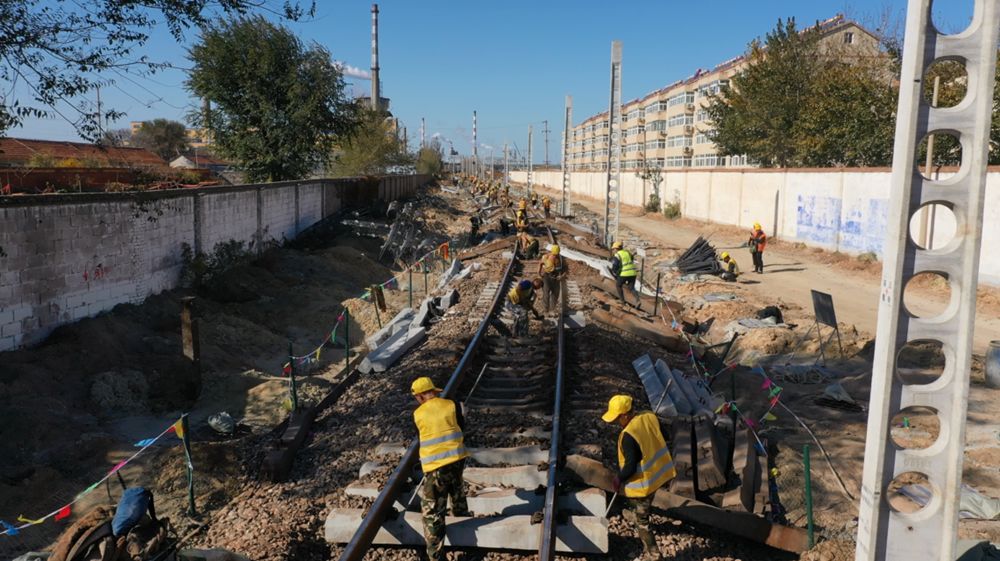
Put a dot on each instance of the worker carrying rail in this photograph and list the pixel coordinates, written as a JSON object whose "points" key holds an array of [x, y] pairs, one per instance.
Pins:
{"points": [[442, 456], [552, 269], [730, 270], [624, 269], [521, 300], [644, 463]]}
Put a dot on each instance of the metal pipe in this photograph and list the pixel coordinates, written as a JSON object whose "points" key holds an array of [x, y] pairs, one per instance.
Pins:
{"points": [[809, 495], [355, 550], [547, 547]]}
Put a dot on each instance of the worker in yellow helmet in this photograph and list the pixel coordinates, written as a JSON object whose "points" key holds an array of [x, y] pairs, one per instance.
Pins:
{"points": [[730, 270], [534, 200], [521, 216], [644, 464], [520, 301], [552, 269], [442, 457], [758, 239], [547, 206], [624, 269], [528, 245]]}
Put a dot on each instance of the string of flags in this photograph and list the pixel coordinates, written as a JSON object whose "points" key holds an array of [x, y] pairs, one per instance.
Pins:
{"points": [[64, 511], [313, 356]]}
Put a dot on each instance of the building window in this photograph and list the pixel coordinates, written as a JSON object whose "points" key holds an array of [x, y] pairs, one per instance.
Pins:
{"points": [[849, 38], [678, 120], [678, 162], [656, 144], [679, 140], [701, 138], [706, 160]]}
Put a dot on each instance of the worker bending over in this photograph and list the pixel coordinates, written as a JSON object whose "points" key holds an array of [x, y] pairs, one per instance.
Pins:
{"points": [[553, 270], [521, 300], [521, 216], [730, 270], [442, 457], [644, 464], [528, 245], [758, 239], [624, 270], [547, 206]]}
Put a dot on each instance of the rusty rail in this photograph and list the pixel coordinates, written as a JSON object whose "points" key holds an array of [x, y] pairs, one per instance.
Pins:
{"points": [[547, 543]]}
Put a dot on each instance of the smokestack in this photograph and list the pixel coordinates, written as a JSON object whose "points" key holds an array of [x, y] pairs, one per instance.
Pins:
{"points": [[375, 84]]}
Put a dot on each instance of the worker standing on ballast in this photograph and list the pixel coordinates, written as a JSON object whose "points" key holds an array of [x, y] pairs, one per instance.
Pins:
{"points": [[644, 463], [442, 457], [547, 206], [553, 270], [534, 200], [730, 270], [758, 239], [624, 269], [521, 216]]}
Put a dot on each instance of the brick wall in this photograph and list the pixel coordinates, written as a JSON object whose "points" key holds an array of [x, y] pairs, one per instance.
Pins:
{"points": [[66, 257]]}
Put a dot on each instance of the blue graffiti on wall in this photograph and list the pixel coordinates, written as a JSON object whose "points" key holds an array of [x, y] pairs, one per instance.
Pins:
{"points": [[864, 227], [818, 219]]}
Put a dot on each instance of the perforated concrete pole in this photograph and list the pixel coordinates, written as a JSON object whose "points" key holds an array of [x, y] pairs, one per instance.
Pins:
{"points": [[612, 209], [930, 533], [566, 202]]}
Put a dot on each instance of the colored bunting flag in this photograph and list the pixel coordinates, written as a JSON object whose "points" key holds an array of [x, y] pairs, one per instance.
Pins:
{"points": [[145, 442], [444, 250], [340, 318], [11, 529], [770, 417], [749, 422], [120, 465], [64, 512], [774, 400], [286, 369], [22, 518], [766, 384], [179, 429], [774, 391]]}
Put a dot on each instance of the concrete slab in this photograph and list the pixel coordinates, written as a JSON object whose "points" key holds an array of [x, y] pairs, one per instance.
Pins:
{"points": [[508, 502], [576, 320], [367, 468], [423, 314], [521, 477], [520, 455], [580, 534], [363, 490], [454, 269], [657, 394], [449, 299], [401, 319], [689, 392], [380, 360], [387, 448], [674, 391]]}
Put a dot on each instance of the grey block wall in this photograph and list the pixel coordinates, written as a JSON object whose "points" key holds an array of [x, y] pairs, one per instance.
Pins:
{"points": [[67, 257]]}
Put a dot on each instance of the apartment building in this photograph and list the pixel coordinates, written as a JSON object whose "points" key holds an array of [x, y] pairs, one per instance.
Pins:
{"points": [[669, 128]]}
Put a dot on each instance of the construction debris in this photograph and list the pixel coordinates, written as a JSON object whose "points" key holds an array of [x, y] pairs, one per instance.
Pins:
{"points": [[700, 258]]}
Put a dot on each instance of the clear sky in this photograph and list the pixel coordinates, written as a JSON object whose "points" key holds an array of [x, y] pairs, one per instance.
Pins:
{"points": [[512, 61]]}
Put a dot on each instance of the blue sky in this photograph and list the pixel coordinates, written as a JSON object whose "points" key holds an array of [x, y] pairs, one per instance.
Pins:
{"points": [[512, 61]]}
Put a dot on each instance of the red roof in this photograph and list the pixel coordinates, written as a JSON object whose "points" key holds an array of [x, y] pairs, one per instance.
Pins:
{"points": [[19, 152]]}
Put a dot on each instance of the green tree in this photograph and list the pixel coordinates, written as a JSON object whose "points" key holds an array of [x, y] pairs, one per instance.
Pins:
{"points": [[116, 137], [279, 106], [163, 137], [58, 51], [372, 148], [429, 158], [756, 115]]}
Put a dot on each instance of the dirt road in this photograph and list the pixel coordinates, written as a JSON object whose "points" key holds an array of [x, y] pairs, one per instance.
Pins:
{"points": [[790, 273]]}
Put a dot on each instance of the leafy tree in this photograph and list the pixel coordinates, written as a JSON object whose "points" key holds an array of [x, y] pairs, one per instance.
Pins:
{"points": [[372, 148], [279, 105], [57, 51], [756, 116], [429, 158], [116, 137], [167, 139]]}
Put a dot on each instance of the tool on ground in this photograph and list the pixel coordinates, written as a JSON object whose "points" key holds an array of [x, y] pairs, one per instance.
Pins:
{"points": [[475, 384], [664, 394], [613, 497]]}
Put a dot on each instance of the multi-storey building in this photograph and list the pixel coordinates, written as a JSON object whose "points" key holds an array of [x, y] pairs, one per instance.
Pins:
{"points": [[669, 128]]}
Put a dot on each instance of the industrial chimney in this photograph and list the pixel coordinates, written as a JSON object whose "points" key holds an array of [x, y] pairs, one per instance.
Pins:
{"points": [[375, 83]]}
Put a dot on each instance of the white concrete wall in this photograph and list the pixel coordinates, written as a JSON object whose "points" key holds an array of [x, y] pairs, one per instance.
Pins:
{"points": [[837, 210]]}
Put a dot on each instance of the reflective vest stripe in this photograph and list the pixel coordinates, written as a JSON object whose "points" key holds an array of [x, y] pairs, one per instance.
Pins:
{"points": [[645, 483], [649, 465], [443, 455], [628, 266], [441, 439]]}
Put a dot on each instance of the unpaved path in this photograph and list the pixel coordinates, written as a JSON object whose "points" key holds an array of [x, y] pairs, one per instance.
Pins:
{"points": [[791, 273]]}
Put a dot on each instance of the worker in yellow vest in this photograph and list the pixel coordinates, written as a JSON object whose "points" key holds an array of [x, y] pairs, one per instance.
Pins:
{"points": [[644, 463], [442, 457], [552, 269], [520, 301], [730, 270], [547, 206], [624, 269], [521, 216]]}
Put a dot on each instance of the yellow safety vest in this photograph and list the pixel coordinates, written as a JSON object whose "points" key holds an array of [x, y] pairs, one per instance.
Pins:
{"points": [[552, 264], [628, 266], [656, 467], [441, 440], [520, 298]]}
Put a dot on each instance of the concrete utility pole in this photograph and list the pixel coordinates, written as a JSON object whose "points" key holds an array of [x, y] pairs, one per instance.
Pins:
{"points": [[506, 165], [527, 192], [566, 203], [475, 142], [929, 534], [611, 202], [546, 131], [375, 85], [422, 143], [492, 167], [406, 141], [100, 125]]}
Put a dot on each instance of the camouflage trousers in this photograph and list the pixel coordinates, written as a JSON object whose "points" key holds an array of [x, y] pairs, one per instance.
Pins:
{"points": [[441, 485], [640, 517]]}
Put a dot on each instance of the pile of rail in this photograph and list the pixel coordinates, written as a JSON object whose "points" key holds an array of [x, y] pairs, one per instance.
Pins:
{"points": [[699, 259]]}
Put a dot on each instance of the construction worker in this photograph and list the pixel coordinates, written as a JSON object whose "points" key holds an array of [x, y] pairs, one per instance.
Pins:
{"points": [[644, 465], [521, 300], [547, 206], [534, 200], [528, 245], [442, 456], [624, 269], [730, 270], [553, 270], [521, 216], [758, 239]]}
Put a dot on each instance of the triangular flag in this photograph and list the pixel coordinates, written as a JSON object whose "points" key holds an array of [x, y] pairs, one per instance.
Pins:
{"points": [[749, 422], [120, 465], [766, 384], [11, 529], [21, 518], [286, 369], [64, 512], [770, 417], [88, 489], [340, 318], [719, 408], [145, 442], [774, 400], [179, 429], [774, 391], [444, 250]]}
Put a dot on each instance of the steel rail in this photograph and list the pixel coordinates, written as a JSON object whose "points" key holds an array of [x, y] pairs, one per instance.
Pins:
{"points": [[547, 543], [362, 540]]}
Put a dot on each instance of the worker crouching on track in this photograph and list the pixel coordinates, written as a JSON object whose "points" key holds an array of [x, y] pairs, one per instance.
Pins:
{"points": [[730, 270], [528, 245], [442, 457], [624, 269], [553, 270], [644, 462], [521, 300]]}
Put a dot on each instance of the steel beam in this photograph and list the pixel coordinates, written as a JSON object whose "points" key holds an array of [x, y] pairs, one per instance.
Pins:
{"points": [[612, 211], [930, 533]]}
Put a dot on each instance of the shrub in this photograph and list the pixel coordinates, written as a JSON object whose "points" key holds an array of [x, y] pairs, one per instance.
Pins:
{"points": [[653, 205], [672, 210]]}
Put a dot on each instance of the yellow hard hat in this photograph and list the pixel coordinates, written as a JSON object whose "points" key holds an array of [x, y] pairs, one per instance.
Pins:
{"points": [[522, 204], [618, 405], [423, 384], [616, 245], [725, 255], [756, 225], [554, 249]]}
